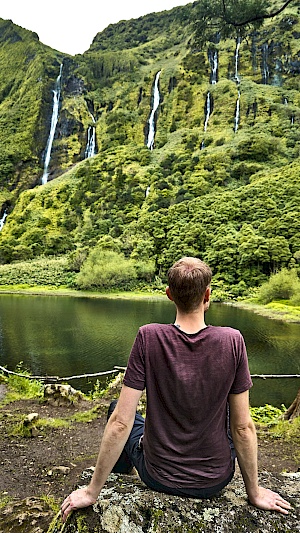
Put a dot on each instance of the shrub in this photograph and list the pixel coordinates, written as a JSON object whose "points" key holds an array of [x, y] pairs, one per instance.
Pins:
{"points": [[284, 285], [106, 270]]}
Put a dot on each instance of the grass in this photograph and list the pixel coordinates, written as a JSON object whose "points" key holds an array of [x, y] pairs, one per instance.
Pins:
{"points": [[278, 310]]}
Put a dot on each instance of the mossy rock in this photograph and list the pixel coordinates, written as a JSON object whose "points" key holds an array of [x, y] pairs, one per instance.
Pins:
{"points": [[125, 505]]}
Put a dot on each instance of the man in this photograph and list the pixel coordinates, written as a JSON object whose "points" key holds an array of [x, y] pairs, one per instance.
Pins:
{"points": [[194, 376]]}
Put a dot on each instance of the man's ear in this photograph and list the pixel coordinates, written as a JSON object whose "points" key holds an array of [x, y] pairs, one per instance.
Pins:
{"points": [[168, 293], [207, 295]]}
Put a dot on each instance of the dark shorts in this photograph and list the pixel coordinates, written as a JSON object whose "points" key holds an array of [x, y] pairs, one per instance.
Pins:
{"points": [[133, 456]]}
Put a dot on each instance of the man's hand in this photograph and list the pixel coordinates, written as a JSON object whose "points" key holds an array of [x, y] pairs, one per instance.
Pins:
{"points": [[270, 501], [76, 500]]}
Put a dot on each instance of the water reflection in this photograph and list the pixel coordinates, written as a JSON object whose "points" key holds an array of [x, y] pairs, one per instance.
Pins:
{"points": [[69, 336]]}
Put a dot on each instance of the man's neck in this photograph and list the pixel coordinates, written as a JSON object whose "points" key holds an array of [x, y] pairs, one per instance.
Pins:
{"points": [[190, 322]]}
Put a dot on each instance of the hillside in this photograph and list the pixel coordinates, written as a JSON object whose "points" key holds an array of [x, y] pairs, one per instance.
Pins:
{"points": [[221, 180]]}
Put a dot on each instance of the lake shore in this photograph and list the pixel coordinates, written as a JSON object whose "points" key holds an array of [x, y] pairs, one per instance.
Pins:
{"points": [[274, 310]]}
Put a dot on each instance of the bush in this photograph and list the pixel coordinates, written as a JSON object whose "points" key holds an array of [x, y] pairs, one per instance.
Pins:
{"points": [[284, 285], [106, 270]]}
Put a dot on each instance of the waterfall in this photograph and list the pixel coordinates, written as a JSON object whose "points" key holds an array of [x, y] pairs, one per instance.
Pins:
{"points": [[2, 220], [238, 44], [238, 81], [147, 191], [264, 64], [213, 60], [151, 121], [237, 113], [208, 110], [91, 140], [54, 119]]}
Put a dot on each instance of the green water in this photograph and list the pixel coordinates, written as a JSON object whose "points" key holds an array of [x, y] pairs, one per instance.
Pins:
{"points": [[65, 336]]}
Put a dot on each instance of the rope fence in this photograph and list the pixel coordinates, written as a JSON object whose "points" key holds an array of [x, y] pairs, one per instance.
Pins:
{"points": [[55, 379]]}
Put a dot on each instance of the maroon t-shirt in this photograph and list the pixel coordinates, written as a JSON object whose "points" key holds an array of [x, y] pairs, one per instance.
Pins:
{"points": [[188, 379]]}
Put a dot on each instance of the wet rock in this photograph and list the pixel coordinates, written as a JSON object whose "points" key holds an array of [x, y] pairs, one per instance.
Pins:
{"points": [[125, 505]]}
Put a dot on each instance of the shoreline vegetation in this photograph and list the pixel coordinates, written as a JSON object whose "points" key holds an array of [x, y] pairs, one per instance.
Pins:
{"points": [[281, 310]]}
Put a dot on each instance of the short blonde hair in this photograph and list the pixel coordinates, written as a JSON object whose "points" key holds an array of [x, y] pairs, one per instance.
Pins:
{"points": [[188, 280]]}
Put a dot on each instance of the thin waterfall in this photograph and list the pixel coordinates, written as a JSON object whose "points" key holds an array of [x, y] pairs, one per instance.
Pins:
{"points": [[147, 191], [238, 81], [2, 220], [237, 113], [213, 60], [208, 109], [54, 119], [236, 73], [151, 121], [264, 64], [91, 140]]}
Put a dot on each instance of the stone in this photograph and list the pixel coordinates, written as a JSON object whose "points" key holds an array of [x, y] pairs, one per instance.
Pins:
{"points": [[57, 394], [31, 515], [125, 505]]}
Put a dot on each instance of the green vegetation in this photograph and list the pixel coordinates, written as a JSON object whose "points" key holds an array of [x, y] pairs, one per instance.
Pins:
{"points": [[117, 221], [267, 414], [285, 285], [20, 388]]}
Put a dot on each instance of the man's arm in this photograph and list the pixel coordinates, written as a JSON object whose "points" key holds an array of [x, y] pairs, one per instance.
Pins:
{"points": [[245, 442], [115, 435]]}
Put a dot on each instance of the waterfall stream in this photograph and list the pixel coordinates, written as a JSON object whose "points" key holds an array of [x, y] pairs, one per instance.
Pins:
{"points": [[264, 63], [2, 220], [91, 140], [151, 121], [238, 81], [54, 119], [236, 74], [207, 110], [237, 113], [213, 59]]}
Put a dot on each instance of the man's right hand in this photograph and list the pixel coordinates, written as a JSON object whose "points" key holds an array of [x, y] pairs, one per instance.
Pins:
{"points": [[270, 501]]}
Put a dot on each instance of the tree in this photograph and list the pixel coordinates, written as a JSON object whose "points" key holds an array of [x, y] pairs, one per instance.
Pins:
{"points": [[232, 18]]}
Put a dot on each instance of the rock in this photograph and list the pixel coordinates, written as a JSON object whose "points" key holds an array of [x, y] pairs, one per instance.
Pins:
{"points": [[32, 417], [29, 429], [125, 505], [26, 516], [57, 394], [65, 470]]}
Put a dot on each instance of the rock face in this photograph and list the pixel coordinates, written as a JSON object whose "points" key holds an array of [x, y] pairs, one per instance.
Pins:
{"points": [[125, 505]]}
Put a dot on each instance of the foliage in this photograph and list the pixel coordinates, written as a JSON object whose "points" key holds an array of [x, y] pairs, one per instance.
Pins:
{"points": [[106, 269], [44, 272], [284, 285], [232, 198], [267, 414], [20, 388], [232, 17]]}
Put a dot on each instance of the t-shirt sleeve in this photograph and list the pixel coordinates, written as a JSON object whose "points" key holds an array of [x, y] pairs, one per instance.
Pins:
{"points": [[242, 381], [135, 375]]}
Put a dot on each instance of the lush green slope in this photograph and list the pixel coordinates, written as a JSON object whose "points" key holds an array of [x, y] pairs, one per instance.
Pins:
{"points": [[229, 197]]}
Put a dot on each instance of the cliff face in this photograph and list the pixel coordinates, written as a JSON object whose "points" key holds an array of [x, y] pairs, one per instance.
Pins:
{"points": [[226, 130]]}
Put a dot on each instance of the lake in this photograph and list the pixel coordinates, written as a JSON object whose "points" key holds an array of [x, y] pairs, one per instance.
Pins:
{"points": [[66, 336]]}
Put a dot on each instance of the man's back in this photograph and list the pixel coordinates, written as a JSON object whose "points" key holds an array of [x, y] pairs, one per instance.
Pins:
{"points": [[188, 378]]}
